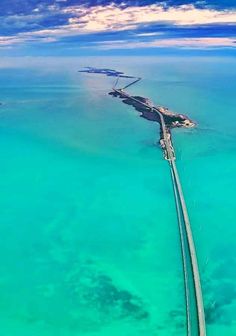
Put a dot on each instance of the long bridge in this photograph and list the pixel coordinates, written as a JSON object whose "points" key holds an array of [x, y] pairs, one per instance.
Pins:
{"points": [[195, 315]]}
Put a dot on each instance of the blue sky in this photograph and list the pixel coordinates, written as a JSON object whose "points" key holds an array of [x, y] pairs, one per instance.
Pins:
{"points": [[72, 27]]}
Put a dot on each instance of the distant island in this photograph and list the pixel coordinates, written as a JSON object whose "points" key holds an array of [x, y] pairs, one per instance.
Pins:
{"points": [[105, 71]]}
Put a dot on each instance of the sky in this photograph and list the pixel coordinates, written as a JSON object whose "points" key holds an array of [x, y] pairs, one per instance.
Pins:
{"points": [[75, 27]]}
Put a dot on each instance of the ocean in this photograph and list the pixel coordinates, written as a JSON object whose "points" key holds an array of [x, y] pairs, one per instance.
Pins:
{"points": [[89, 241]]}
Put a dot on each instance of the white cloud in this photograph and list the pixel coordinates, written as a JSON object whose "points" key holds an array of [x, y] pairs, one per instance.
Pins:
{"points": [[202, 42], [148, 34], [7, 41], [111, 18]]}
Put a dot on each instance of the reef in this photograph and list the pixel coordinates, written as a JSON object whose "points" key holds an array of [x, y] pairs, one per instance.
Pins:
{"points": [[96, 290], [221, 295]]}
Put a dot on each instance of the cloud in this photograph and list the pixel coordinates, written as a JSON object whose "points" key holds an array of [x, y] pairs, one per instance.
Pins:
{"points": [[149, 34], [203, 42], [8, 41], [55, 24], [112, 17]]}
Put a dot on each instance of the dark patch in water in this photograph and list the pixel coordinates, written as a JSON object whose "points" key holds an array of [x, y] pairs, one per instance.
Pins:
{"points": [[216, 309], [98, 292], [178, 318], [213, 313], [107, 297]]}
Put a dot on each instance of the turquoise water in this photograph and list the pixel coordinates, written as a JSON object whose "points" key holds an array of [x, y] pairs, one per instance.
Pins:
{"points": [[89, 238]]}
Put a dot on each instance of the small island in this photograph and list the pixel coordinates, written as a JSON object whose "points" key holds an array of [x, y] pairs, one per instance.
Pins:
{"points": [[155, 113]]}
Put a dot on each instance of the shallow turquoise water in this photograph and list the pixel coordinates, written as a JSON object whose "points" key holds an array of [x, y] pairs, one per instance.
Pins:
{"points": [[89, 239]]}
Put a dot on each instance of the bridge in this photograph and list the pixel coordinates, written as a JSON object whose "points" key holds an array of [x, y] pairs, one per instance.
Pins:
{"points": [[195, 315]]}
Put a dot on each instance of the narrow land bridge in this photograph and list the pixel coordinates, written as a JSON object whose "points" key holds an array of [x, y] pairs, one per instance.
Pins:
{"points": [[195, 315]]}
